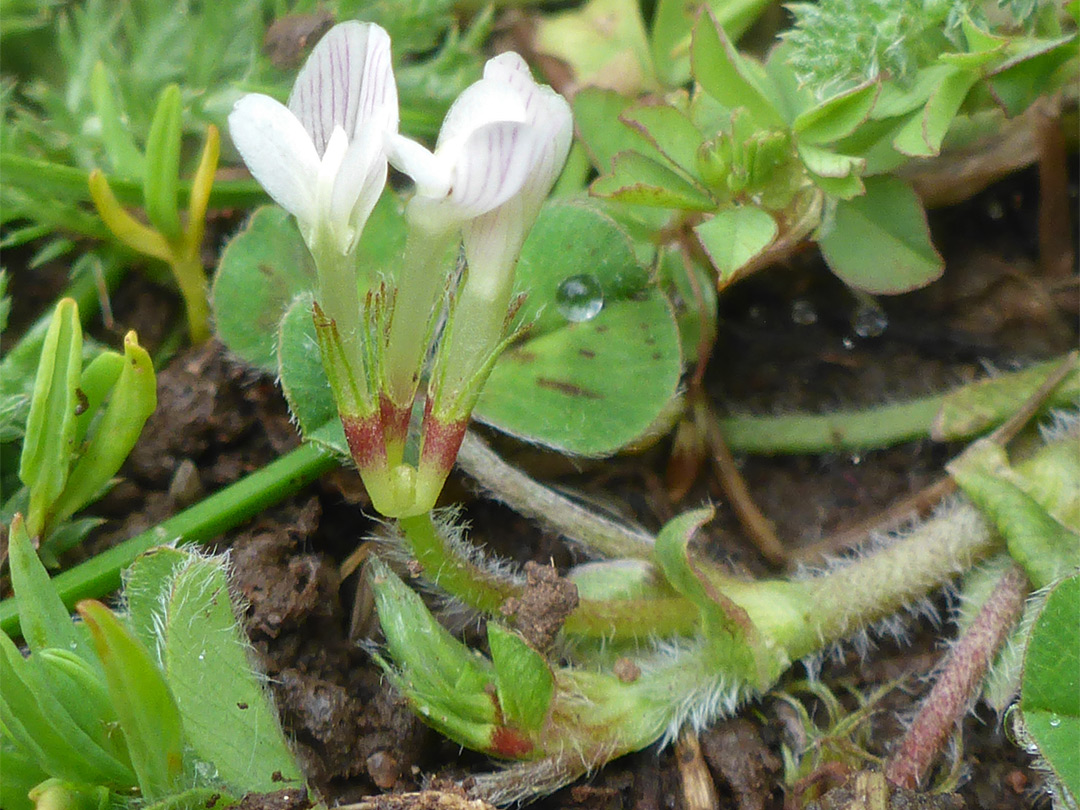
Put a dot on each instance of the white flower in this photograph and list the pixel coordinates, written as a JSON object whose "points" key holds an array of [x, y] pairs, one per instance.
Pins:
{"points": [[501, 147], [323, 157]]}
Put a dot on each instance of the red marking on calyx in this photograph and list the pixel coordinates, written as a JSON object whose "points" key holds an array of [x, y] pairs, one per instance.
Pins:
{"points": [[506, 742], [441, 440], [365, 437], [395, 419]]}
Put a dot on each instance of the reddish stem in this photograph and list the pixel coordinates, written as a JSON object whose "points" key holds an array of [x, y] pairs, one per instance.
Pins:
{"points": [[963, 672]]}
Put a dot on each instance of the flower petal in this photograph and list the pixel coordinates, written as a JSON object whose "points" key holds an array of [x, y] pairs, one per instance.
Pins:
{"points": [[360, 181], [483, 102], [493, 165], [492, 243], [278, 152], [347, 81], [430, 174]]}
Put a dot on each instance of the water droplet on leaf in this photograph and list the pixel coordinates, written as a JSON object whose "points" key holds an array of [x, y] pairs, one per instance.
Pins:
{"points": [[1055, 721], [869, 319], [579, 298]]}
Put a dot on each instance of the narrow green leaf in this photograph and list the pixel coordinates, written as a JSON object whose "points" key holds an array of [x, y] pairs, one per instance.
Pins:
{"points": [[639, 180], [977, 407], [80, 688], [836, 117], [672, 26], [50, 427], [161, 178], [922, 135], [880, 242], [131, 401], [1046, 548], [28, 723], [44, 620], [729, 77], [226, 712], [735, 236], [144, 705], [21, 773], [523, 679], [124, 156], [1050, 691]]}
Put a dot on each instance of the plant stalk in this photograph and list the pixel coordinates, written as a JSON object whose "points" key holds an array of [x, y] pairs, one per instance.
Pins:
{"points": [[206, 520]]}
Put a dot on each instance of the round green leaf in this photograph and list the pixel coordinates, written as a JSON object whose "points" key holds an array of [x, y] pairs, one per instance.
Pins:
{"points": [[262, 270], [1050, 692], [735, 236], [880, 242], [595, 368]]}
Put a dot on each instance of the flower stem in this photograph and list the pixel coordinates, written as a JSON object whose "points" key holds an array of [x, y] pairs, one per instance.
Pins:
{"points": [[532, 499], [455, 572], [220, 512]]}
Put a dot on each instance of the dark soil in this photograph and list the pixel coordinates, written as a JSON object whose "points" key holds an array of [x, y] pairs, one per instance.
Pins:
{"points": [[217, 421]]}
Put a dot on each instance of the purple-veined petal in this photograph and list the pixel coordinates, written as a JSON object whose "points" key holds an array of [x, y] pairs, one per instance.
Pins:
{"points": [[492, 243], [430, 174], [483, 102], [278, 152], [492, 166], [360, 180], [346, 81]]}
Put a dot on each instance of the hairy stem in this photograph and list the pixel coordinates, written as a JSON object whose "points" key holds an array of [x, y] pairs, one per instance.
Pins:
{"points": [[533, 500], [958, 682], [482, 588]]}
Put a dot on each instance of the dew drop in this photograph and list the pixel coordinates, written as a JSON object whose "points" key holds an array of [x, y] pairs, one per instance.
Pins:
{"points": [[579, 298], [202, 655], [848, 343], [803, 312], [1055, 721], [869, 319]]}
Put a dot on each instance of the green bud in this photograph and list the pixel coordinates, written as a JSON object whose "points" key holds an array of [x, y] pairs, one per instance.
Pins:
{"points": [[56, 794], [132, 399], [523, 679], [713, 161]]}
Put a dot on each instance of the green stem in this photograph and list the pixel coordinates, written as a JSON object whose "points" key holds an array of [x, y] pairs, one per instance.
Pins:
{"points": [[451, 570], [191, 279], [455, 573], [794, 434], [960, 414], [206, 520]]}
